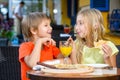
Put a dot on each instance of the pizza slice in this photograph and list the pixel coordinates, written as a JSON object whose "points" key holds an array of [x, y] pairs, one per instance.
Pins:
{"points": [[99, 45]]}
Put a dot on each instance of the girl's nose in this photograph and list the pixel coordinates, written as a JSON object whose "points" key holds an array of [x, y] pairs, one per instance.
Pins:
{"points": [[76, 27]]}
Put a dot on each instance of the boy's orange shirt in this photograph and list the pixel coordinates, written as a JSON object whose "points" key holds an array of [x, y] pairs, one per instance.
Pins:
{"points": [[48, 53]]}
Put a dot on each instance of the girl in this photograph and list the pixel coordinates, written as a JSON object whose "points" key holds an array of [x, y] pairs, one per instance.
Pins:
{"points": [[90, 29], [39, 46]]}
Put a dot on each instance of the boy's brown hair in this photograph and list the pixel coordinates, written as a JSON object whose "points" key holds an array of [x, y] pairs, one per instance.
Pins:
{"points": [[32, 20]]}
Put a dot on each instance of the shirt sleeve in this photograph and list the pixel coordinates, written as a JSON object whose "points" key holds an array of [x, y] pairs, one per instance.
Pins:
{"points": [[114, 48], [56, 51], [16, 9], [24, 50]]}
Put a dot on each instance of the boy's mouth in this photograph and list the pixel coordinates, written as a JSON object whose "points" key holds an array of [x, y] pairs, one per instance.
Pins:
{"points": [[49, 32]]}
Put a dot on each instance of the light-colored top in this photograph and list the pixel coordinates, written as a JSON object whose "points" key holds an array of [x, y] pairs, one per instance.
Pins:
{"points": [[19, 11], [95, 55]]}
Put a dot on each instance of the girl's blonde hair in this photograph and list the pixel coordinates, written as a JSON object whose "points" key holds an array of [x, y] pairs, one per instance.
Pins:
{"points": [[95, 27], [32, 20]]}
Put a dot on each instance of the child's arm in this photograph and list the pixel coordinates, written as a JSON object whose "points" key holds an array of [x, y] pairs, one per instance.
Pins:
{"points": [[60, 56], [73, 53], [108, 57], [34, 57], [73, 56]]}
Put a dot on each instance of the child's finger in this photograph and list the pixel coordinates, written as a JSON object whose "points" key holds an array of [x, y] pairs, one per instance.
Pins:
{"points": [[53, 42]]}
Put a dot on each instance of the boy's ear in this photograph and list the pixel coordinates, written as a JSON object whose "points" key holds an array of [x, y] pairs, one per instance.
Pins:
{"points": [[33, 31]]}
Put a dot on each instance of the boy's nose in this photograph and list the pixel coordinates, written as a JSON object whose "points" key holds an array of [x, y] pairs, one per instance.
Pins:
{"points": [[50, 27]]}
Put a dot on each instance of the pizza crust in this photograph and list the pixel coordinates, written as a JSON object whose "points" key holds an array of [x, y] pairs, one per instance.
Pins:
{"points": [[69, 69], [99, 43]]}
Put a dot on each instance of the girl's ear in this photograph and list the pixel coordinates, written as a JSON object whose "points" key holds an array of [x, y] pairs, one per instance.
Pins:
{"points": [[33, 31]]}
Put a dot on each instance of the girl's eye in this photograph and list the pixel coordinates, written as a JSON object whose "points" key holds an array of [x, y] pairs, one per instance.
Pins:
{"points": [[80, 23]]}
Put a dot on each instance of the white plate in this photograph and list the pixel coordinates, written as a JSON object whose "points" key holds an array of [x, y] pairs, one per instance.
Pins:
{"points": [[52, 62], [37, 67], [97, 65]]}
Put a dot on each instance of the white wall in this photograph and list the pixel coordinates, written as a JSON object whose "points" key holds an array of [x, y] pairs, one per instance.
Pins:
{"points": [[57, 16], [114, 4]]}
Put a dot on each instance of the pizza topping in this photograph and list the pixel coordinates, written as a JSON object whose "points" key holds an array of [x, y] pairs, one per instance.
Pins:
{"points": [[71, 66], [99, 45]]}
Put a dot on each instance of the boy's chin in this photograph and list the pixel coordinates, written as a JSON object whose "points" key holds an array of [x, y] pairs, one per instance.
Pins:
{"points": [[45, 36], [49, 36]]}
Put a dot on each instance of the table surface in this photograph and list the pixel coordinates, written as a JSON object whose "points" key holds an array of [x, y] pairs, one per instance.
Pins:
{"points": [[39, 75]]}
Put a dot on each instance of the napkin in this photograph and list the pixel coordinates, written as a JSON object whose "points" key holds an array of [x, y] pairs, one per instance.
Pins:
{"points": [[64, 35]]}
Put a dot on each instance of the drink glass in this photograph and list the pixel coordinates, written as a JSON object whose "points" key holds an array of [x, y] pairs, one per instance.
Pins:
{"points": [[65, 48], [67, 29]]}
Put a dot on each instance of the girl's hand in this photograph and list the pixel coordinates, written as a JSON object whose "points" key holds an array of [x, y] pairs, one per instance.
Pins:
{"points": [[70, 40], [73, 53], [107, 51]]}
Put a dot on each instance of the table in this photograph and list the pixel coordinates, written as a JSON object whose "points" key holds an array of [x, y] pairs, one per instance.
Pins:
{"points": [[39, 75]]}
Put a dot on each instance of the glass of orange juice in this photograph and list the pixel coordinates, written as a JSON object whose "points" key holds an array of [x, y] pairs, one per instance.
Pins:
{"points": [[65, 48]]}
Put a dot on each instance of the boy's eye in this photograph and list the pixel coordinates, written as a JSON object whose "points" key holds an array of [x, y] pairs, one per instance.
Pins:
{"points": [[46, 25]]}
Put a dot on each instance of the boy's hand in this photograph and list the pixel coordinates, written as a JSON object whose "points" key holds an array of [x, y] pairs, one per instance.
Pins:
{"points": [[46, 41]]}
